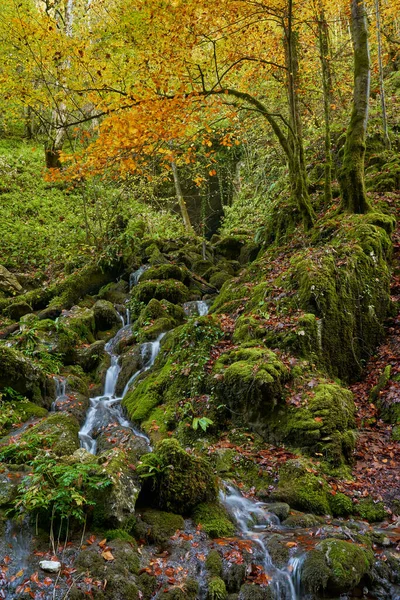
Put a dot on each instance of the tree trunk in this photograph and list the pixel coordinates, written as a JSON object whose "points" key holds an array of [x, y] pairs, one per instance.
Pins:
{"points": [[296, 159], [327, 89], [381, 81], [351, 178], [181, 200]]}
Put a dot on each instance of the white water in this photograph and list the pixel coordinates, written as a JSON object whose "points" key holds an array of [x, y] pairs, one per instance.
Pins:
{"points": [[197, 308], [136, 275], [106, 409], [253, 522], [61, 383]]}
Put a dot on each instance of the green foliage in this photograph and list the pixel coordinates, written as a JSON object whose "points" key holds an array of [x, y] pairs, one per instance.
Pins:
{"points": [[59, 489], [203, 422]]}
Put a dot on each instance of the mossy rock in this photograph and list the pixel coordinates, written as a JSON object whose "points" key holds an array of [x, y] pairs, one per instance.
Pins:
{"points": [[280, 509], [371, 511], [81, 321], [188, 591], [278, 550], [183, 480], [130, 362], [249, 253], [115, 292], [250, 591], [335, 565], [158, 526], [200, 267], [17, 310], [214, 563], [230, 247], [105, 316], [297, 520], [216, 589], [147, 584], [90, 358], [218, 279], [214, 520], [166, 271], [25, 376], [169, 289], [300, 488], [251, 382]]}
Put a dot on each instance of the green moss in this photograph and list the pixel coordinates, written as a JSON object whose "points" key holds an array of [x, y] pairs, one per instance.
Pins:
{"points": [[179, 481], [341, 505], [217, 280], [278, 550], [216, 589], [347, 287], [120, 534], [147, 584], [396, 433], [336, 565], [24, 376], [300, 488], [250, 591], [167, 271], [301, 520], [188, 591], [168, 289], [160, 526], [371, 511], [214, 520], [105, 315], [81, 321], [214, 564]]}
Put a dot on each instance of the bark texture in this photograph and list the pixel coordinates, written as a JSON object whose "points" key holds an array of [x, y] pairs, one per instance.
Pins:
{"points": [[351, 177]]}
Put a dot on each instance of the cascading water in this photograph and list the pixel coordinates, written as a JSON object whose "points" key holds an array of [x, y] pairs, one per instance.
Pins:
{"points": [[61, 384], [106, 409], [254, 521], [136, 275], [198, 308]]}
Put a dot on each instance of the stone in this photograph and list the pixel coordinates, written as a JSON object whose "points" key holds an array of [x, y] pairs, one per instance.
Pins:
{"points": [[50, 566], [105, 315], [8, 282]]}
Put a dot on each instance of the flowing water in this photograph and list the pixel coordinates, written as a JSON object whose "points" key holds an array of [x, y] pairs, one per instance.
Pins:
{"points": [[254, 522], [196, 308], [136, 275]]}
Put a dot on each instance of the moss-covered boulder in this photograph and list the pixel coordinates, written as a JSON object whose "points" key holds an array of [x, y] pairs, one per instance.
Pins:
{"points": [[130, 362], [58, 433], [105, 316], [114, 292], [218, 279], [168, 289], [335, 566], [181, 480], [251, 381], [25, 376], [157, 526], [115, 506], [81, 321], [301, 488], [214, 520], [90, 357], [166, 271], [9, 284], [120, 573], [250, 591], [16, 310]]}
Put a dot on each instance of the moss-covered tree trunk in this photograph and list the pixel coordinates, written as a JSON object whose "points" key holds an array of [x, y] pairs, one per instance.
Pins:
{"points": [[323, 36], [351, 176], [296, 159]]}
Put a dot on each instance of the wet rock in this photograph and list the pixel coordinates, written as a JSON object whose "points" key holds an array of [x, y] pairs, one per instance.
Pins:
{"points": [[50, 566], [73, 403], [105, 315], [130, 363], [336, 566], [182, 482], [278, 550], [9, 284], [8, 487], [90, 358], [298, 519], [280, 509], [157, 526]]}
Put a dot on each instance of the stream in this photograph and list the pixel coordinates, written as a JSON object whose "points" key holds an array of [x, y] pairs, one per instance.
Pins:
{"points": [[254, 523]]}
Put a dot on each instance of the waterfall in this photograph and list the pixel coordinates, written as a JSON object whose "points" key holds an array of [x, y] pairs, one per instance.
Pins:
{"points": [[136, 275], [196, 308], [254, 521], [107, 409]]}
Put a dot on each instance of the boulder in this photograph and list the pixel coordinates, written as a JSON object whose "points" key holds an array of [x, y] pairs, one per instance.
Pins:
{"points": [[9, 284], [105, 315]]}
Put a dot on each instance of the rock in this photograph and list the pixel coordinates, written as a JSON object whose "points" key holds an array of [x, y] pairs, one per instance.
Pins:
{"points": [[16, 310], [335, 565], [182, 481], [6, 331], [8, 488], [280, 509], [116, 293], [74, 404], [105, 315], [9, 284], [130, 363], [157, 526], [50, 566], [90, 358], [51, 312]]}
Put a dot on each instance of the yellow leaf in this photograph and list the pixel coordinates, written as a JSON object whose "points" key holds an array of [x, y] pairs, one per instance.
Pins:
{"points": [[107, 555]]}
